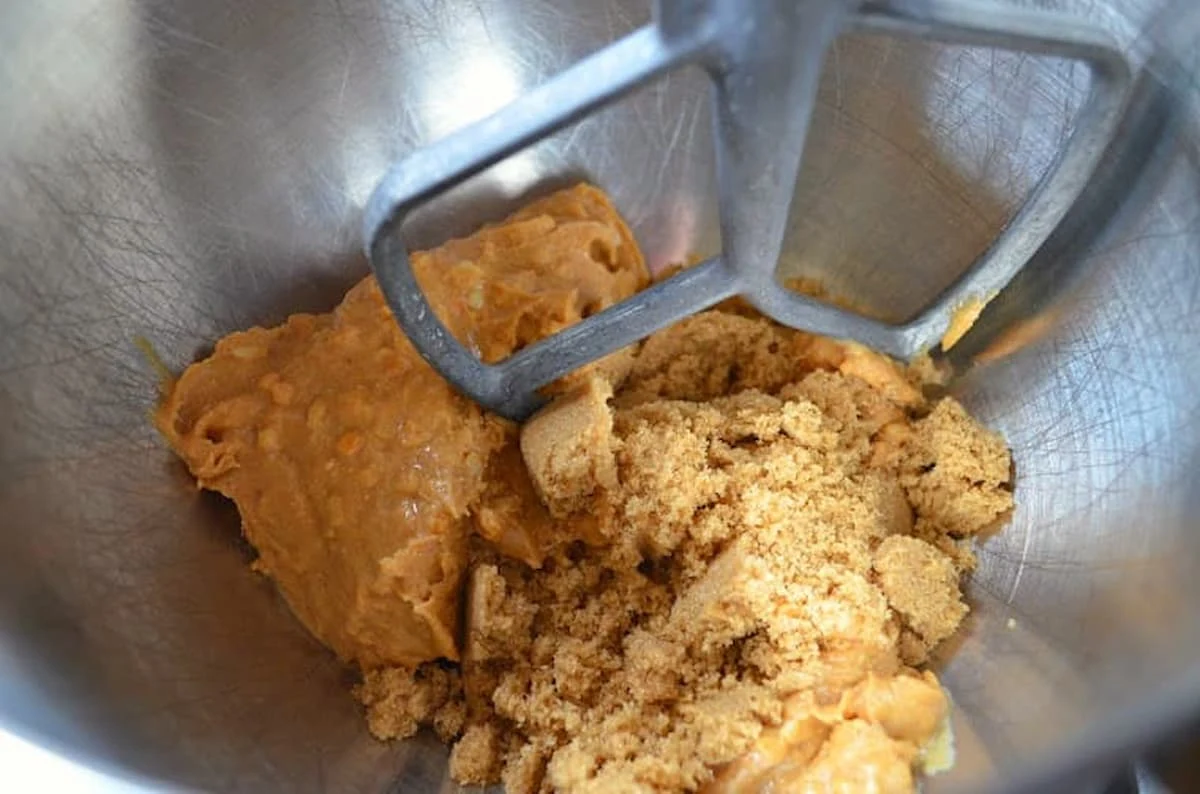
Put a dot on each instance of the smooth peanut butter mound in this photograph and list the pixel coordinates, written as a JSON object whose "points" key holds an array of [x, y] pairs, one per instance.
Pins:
{"points": [[357, 470]]}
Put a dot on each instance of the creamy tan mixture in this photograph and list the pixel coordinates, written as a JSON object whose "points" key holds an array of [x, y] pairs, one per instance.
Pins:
{"points": [[715, 562]]}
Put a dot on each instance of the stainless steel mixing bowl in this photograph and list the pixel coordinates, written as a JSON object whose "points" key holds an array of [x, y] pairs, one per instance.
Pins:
{"points": [[176, 170]]}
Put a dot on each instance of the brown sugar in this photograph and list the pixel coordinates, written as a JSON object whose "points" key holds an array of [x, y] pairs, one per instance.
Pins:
{"points": [[399, 700], [710, 564], [568, 450], [713, 354], [957, 473], [476, 759], [921, 585], [750, 552]]}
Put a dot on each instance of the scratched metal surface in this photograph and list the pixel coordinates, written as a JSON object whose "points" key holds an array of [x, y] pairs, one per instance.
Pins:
{"points": [[177, 170]]}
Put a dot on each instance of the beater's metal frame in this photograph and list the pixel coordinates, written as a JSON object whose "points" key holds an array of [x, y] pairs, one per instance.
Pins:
{"points": [[764, 58]]}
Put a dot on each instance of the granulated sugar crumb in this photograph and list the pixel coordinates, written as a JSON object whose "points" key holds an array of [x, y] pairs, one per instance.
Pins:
{"points": [[763, 539]]}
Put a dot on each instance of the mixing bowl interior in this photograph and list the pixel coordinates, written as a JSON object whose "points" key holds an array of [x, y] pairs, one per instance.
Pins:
{"points": [[177, 170]]}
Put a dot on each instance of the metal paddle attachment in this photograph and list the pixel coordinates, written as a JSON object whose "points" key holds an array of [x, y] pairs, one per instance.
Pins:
{"points": [[764, 59]]}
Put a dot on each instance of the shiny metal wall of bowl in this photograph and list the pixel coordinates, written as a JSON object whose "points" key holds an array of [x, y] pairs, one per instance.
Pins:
{"points": [[177, 170]]}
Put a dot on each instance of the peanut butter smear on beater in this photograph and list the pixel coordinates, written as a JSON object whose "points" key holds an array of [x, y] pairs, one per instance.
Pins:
{"points": [[716, 561]]}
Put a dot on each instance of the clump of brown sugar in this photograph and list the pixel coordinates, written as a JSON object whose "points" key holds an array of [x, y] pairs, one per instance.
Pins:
{"points": [[759, 533]]}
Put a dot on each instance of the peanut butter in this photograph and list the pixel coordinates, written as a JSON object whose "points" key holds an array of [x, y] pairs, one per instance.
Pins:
{"points": [[355, 467]]}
